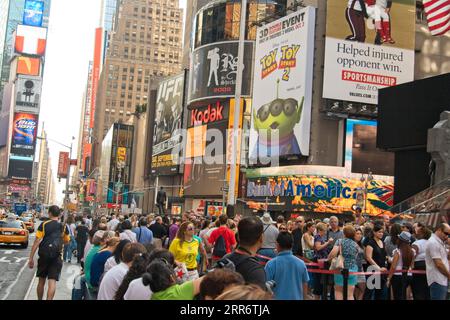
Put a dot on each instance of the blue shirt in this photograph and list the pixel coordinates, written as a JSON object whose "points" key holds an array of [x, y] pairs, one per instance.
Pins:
{"points": [[289, 274], [98, 266], [143, 235]]}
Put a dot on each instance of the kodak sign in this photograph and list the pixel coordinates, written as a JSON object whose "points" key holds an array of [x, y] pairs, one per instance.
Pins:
{"points": [[212, 113]]}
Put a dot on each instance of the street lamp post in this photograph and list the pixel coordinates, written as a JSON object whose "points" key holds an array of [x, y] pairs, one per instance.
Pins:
{"points": [[66, 198]]}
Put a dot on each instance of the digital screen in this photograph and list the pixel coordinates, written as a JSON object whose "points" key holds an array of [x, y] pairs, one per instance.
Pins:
{"points": [[33, 13]]}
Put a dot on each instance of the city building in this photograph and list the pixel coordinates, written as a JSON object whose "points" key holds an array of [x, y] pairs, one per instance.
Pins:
{"points": [[145, 45], [45, 179]]}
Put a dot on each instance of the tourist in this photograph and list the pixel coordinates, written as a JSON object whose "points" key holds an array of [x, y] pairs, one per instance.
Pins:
{"points": [[270, 234], [297, 233], [361, 263], [125, 231], [321, 251], [218, 281], [245, 292], [100, 258], [116, 257], [376, 259], [222, 239], [143, 234], [420, 289]]}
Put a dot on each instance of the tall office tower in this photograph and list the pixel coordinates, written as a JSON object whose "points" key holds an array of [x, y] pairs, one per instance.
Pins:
{"points": [[146, 42], [44, 175]]}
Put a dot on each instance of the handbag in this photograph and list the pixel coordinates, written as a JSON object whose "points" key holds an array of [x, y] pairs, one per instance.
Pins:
{"points": [[337, 263]]}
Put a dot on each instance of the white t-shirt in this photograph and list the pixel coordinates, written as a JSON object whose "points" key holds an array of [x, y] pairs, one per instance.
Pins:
{"points": [[137, 291], [436, 250], [112, 225], [112, 281], [110, 263], [421, 245], [128, 235]]}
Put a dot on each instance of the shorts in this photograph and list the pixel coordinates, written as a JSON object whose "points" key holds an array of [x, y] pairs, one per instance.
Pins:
{"points": [[50, 269], [352, 279]]}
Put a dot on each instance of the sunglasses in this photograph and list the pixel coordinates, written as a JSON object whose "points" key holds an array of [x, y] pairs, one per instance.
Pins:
{"points": [[190, 229]]}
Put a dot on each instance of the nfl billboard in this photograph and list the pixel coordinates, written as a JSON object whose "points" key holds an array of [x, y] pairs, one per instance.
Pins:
{"points": [[282, 87], [33, 13], [28, 93], [25, 126], [167, 127], [369, 46]]}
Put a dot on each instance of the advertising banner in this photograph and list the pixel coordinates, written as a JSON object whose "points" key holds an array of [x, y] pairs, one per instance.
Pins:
{"points": [[25, 128], [202, 179], [318, 189], [167, 128], [282, 87], [214, 69], [363, 54], [96, 72], [28, 66], [28, 93], [30, 40], [20, 169], [33, 13], [361, 153], [63, 164]]}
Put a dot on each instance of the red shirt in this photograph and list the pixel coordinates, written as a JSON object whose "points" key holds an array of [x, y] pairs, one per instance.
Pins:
{"points": [[227, 235]]}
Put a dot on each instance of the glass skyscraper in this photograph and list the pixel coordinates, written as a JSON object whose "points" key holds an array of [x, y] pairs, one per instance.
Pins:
{"points": [[11, 15]]}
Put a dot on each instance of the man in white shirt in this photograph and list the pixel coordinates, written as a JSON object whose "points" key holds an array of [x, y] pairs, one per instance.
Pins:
{"points": [[112, 224], [114, 277], [436, 258]]}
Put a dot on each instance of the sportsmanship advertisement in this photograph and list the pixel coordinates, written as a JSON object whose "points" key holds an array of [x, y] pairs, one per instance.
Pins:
{"points": [[281, 114], [367, 53], [214, 70], [28, 93], [24, 133], [33, 13], [166, 131]]}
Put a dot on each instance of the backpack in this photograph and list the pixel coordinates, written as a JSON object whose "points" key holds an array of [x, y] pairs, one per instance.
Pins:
{"points": [[52, 244], [220, 248]]}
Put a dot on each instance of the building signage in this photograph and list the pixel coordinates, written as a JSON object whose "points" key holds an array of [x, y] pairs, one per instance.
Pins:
{"points": [[365, 54], [28, 93], [214, 69], [24, 134], [33, 13], [282, 87]]}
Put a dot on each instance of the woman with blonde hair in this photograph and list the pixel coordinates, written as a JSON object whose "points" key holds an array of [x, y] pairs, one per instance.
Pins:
{"points": [[245, 292]]}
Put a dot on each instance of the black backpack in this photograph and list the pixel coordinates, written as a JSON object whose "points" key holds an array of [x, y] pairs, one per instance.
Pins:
{"points": [[220, 248], [52, 244]]}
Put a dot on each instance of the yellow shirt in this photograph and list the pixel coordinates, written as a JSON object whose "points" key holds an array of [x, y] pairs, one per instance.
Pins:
{"points": [[186, 253]]}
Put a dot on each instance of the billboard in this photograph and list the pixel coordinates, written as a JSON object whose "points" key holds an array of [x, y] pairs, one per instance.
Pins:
{"points": [[319, 189], [282, 87], [30, 40], [33, 13], [214, 70], [96, 65], [361, 153], [166, 130], [203, 179], [25, 126], [63, 164], [28, 93], [362, 54], [28, 66], [20, 169]]}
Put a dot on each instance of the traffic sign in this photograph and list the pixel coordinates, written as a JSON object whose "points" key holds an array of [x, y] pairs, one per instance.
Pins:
{"points": [[67, 192]]}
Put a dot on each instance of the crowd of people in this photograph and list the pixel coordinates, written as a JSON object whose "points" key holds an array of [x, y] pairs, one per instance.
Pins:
{"points": [[195, 257]]}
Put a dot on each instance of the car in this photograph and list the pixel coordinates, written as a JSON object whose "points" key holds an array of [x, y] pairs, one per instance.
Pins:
{"points": [[14, 232], [29, 223]]}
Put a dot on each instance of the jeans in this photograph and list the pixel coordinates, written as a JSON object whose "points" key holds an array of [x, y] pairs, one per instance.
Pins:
{"points": [[438, 292], [68, 248]]}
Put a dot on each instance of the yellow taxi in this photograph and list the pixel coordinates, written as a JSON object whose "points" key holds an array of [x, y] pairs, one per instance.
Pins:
{"points": [[29, 223], [13, 231]]}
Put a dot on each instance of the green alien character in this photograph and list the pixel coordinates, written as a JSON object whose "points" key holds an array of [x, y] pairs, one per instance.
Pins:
{"points": [[276, 120]]}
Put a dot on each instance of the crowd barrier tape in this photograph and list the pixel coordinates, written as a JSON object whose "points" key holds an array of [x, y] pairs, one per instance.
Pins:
{"points": [[325, 271]]}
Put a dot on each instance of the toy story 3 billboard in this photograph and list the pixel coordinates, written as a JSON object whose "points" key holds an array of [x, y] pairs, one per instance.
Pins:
{"points": [[282, 87]]}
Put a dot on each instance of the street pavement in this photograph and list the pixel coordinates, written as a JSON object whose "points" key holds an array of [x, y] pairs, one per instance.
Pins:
{"points": [[18, 282], [15, 276], [63, 286]]}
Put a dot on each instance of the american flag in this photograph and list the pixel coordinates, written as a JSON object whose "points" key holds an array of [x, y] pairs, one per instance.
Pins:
{"points": [[438, 16]]}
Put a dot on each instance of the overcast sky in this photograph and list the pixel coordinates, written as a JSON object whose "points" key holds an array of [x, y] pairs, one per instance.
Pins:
{"points": [[69, 48]]}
